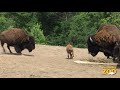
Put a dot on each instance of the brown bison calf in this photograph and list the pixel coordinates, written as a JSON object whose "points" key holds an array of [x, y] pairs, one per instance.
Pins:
{"points": [[69, 49], [17, 38]]}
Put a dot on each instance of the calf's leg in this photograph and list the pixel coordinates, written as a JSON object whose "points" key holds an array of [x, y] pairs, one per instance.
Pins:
{"points": [[71, 56], [68, 55]]}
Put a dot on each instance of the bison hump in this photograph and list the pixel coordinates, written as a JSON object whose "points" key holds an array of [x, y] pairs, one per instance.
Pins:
{"points": [[13, 36]]}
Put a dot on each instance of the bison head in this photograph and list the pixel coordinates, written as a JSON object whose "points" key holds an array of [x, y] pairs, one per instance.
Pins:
{"points": [[31, 43], [93, 48], [28, 44]]}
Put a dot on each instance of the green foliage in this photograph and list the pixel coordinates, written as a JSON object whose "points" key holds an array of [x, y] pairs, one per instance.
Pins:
{"points": [[80, 28], [37, 33], [6, 23], [77, 28], [59, 28]]}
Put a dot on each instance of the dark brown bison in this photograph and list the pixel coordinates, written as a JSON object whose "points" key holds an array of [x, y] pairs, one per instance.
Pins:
{"points": [[70, 52], [107, 27], [104, 40], [17, 38]]}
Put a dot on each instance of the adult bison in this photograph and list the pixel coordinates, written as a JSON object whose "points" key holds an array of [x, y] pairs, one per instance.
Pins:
{"points": [[104, 40], [17, 38]]}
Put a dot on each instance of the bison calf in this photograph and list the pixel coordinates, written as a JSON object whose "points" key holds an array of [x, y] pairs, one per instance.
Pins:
{"points": [[69, 49], [17, 38]]}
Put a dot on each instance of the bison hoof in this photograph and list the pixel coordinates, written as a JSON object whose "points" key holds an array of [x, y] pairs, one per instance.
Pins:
{"points": [[116, 61], [11, 52]]}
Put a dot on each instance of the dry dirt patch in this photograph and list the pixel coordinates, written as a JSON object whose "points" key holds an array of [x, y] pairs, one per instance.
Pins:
{"points": [[50, 62]]}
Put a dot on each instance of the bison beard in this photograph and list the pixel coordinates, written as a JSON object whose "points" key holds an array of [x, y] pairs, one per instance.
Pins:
{"points": [[18, 49], [116, 53]]}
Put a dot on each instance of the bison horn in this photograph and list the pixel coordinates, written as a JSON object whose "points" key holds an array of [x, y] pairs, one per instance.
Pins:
{"points": [[91, 39], [117, 43]]}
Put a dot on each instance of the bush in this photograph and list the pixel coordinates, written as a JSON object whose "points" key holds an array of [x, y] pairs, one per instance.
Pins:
{"points": [[37, 33], [6, 23]]}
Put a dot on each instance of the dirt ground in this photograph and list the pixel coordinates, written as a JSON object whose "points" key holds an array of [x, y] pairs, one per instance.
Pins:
{"points": [[50, 62]]}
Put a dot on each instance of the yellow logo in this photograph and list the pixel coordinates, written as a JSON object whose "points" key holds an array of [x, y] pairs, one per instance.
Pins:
{"points": [[110, 70]]}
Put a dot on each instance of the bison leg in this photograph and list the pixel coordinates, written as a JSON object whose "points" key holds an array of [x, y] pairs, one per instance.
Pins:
{"points": [[71, 55], [9, 48], [108, 57], [113, 59], [68, 55], [119, 56], [2, 44], [17, 49]]}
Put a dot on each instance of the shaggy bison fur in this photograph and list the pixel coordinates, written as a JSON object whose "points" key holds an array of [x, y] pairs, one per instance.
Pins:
{"points": [[17, 38], [104, 40]]}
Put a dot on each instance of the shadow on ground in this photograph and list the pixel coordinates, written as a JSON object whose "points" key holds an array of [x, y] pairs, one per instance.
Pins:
{"points": [[17, 54]]}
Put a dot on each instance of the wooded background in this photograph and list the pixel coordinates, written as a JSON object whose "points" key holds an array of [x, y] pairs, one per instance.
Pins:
{"points": [[59, 28]]}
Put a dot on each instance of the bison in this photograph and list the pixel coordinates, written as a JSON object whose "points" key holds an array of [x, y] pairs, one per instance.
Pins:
{"points": [[70, 52], [18, 39], [104, 40]]}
